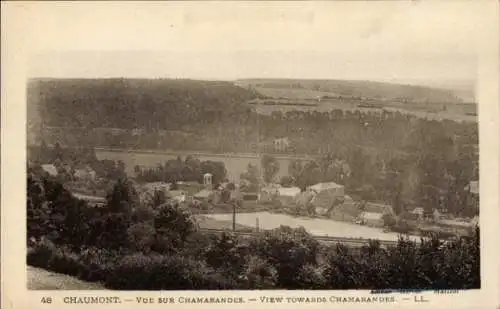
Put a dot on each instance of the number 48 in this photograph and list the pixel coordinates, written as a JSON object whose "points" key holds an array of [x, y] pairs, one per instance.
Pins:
{"points": [[46, 300]]}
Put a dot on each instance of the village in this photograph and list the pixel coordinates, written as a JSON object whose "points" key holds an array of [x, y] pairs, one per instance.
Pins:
{"points": [[324, 200]]}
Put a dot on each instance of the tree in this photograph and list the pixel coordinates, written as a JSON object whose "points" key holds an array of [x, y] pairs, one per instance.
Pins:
{"points": [[123, 197], [173, 225], [295, 168], [250, 179], [288, 250], [389, 220], [287, 181], [270, 166]]}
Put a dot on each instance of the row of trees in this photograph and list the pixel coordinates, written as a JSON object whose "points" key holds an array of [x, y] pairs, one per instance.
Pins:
{"points": [[191, 169], [67, 159]]}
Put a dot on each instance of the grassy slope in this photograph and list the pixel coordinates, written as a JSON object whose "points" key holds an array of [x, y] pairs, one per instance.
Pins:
{"points": [[40, 279]]}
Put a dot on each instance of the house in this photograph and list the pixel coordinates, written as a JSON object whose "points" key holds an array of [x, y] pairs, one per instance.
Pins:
{"points": [[281, 144], [326, 194], [93, 201], [436, 215], [86, 173], [204, 195], [418, 212], [379, 208], [475, 221], [288, 192], [50, 169], [373, 219], [137, 132], [179, 196], [473, 187], [347, 211], [373, 214], [304, 198], [157, 186], [473, 197]]}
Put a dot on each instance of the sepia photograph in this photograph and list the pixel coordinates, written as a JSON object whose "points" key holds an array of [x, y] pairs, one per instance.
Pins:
{"points": [[294, 146], [253, 170]]}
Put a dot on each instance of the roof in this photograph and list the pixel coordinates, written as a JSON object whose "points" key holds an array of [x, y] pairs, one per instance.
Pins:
{"points": [[418, 210], [90, 198], [473, 187], [293, 191], [157, 184], [371, 215], [303, 198], [324, 186], [204, 193], [347, 208], [475, 220], [175, 193], [85, 171], [377, 208], [452, 222], [50, 168]]}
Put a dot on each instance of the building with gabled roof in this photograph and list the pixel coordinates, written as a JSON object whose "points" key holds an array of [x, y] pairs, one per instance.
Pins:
{"points": [[325, 194], [50, 169]]}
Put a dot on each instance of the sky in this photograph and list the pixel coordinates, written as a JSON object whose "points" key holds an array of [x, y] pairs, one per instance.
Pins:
{"points": [[398, 41]]}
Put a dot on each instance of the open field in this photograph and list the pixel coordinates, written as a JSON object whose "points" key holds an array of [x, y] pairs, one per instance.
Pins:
{"points": [[456, 112], [291, 93], [353, 88]]}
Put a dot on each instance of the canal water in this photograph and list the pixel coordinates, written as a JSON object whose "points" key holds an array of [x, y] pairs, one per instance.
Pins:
{"points": [[315, 226]]}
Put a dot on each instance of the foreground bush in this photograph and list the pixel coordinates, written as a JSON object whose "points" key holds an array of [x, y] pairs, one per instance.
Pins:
{"points": [[89, 264], [157, 272]]}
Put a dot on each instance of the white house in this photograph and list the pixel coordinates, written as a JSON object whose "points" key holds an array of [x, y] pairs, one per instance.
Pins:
{"points": [[179, 196], [419, 212], [50, 169], [85, 174], [281, 144], [325, 193]]}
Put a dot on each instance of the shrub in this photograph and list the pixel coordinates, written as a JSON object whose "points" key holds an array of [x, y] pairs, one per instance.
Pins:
{"points": [[259, 273], [173, 224], [40, 254], [97, 263], [288, 250], [64, 261], [156, 272], [226, 253], [141, 236], [109, 231]]}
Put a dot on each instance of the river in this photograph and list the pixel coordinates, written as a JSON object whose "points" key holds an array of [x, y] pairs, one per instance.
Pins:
{"points": [[236, 163], [317, 227]]}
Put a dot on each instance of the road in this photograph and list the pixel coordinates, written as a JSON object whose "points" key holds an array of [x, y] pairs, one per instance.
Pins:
{"points": [[40, 279]]}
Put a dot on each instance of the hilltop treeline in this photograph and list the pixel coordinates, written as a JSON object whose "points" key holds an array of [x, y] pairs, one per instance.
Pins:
{"points": [[133, 103]]}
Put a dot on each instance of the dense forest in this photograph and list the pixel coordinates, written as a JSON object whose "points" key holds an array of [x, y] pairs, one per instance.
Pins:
{"points": [[133, 103]]}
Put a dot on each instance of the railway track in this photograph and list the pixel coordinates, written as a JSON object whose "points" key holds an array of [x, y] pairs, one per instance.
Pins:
{"points": [[356, 242]]}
